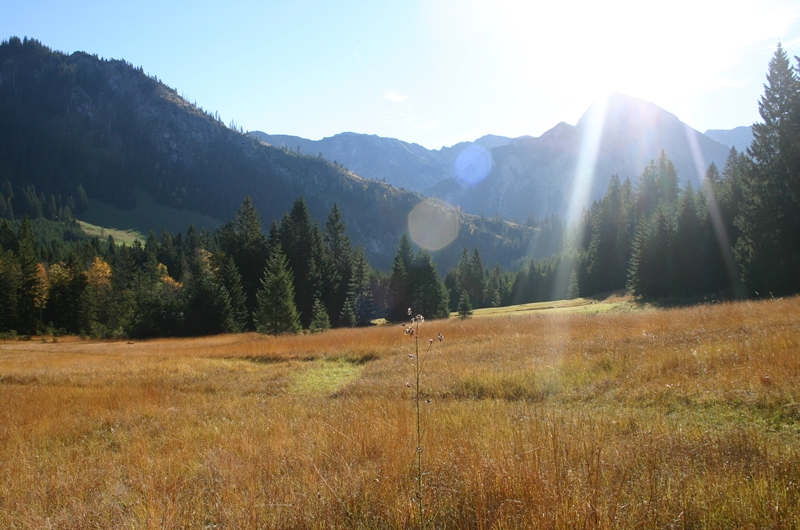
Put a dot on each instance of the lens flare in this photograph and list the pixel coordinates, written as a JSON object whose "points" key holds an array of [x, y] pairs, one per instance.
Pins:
{"points": [[433, 224], [473, 165]]}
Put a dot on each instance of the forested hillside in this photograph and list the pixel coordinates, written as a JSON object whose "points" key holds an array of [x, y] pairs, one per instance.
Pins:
{"points": [[78, 126], [736, 234]]}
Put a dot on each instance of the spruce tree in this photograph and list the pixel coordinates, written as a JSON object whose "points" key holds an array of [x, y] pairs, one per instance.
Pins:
{"points": [[319, 318], [340, 255], [400, 285], [464, 305], [10, 282], [208, 304], [768, 250], [429, 295], [360, 293], [244, 241], [301, 242], [276, 313], [228, 276], [29, 280]]}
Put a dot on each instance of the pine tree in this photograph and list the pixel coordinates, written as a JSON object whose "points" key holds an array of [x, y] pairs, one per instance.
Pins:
{"points": [[690, 245], [429, 296], [319, 318], [477, 279], [244, 241], [10, 282], [573, 287], [29, 279], [400, 294], [360, 294], [340, 255], [301, 242], [228, 276], [208, 304], [276, 312], [464, 305], [651, 270], [347, 317], [768, 250]]}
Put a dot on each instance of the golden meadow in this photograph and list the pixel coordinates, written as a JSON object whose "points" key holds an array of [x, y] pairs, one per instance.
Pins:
{"points": [[631, 418]]}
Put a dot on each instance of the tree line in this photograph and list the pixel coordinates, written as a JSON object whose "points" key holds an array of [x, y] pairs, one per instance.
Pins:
{"points": [[297, 276], [736, 236]]}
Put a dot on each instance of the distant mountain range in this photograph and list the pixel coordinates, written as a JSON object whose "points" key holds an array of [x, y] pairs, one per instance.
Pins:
{"points": [[521, 177], [740, 137], [401, 164]]}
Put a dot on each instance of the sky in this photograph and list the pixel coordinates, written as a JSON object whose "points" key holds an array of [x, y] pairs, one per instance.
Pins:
{"points": [[432, 72]]}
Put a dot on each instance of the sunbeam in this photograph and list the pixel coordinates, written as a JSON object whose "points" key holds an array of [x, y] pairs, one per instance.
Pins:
{"points": [[713, 211], [582, 184]]}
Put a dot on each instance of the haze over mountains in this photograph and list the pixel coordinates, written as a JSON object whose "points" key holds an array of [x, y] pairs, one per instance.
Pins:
{"points": [[521, 177]]}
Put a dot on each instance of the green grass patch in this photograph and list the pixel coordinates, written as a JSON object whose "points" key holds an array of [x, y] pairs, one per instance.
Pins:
{"points": [[102, 218], [120, 236], [558, 307], [324, 377]]}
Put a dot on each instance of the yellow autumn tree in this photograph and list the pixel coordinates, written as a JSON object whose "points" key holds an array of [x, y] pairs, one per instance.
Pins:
{"points": [[41, 289], [96, 298]]}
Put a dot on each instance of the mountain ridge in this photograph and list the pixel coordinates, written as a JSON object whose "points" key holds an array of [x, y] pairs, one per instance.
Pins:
{"points": [[533, 176]]}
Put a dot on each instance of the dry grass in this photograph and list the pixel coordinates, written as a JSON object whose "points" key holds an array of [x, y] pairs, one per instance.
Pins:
{"points": [[684, 418]]}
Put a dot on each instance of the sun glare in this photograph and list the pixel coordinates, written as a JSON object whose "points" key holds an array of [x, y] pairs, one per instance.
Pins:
{"points": [[653, 51]]}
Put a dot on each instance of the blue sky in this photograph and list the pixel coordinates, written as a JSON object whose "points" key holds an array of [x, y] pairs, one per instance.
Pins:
{"points": [[434, 72]]}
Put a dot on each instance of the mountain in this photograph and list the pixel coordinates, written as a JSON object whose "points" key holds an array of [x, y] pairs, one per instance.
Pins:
{"points": [[401, 164], [740, 137], [519, 178], [538, 176], [76, 129]]}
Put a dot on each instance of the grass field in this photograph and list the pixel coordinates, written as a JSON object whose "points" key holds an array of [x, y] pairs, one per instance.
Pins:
{"points": [[678, 418], [102, 219]]}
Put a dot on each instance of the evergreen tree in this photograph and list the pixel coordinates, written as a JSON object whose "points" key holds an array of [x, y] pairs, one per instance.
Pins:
{"points": [[690, 245], [7, 237], [464, 305], [228, 276], [340, 255], [608, 254], [347, 317], [319, 318], [657, 186], [360, 294], [208, 304], [768, 250], [301, 242], [651, 270], [429, 296], [477, 285], [29, 279], [573, 287], [276, 312], [245, 243], [400, 294], [10, 283]]}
